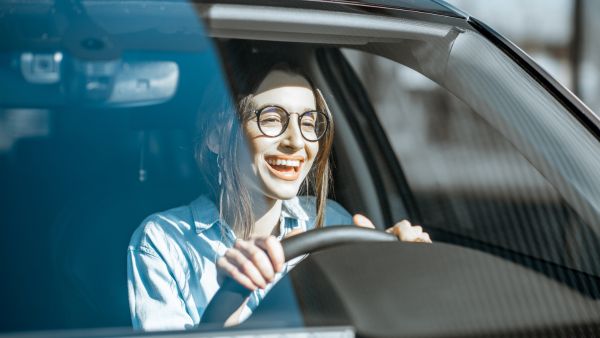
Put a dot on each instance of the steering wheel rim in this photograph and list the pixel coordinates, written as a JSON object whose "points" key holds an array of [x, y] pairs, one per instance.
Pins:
{"points": [[231, 295]]}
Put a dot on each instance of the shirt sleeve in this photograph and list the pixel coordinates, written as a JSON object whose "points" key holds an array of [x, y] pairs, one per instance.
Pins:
{"points": [[154, 299], [336, 214]]}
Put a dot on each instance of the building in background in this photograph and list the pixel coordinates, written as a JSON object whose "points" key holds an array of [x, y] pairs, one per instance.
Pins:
{"points": [[589, 57], [424, 122], [561, 35]]}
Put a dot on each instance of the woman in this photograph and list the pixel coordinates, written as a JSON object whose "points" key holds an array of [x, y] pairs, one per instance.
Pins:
{"points": [[276, 144]]}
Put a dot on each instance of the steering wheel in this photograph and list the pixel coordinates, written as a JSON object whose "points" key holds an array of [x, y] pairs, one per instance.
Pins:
{"points": [[231, 295]]}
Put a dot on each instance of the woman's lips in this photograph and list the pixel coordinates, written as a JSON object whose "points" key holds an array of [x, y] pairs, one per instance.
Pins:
{"points": [[285, 167]]}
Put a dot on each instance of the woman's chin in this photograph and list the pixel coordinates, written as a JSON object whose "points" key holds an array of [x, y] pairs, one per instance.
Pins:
{"points": [[282, 191], [280, 195]]}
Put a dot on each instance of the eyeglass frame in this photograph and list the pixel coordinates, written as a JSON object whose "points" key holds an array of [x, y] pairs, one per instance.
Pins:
{"points": [[257, 113]]}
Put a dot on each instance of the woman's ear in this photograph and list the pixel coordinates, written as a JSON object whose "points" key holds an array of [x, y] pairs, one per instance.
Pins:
{"points": [[213, 141]]}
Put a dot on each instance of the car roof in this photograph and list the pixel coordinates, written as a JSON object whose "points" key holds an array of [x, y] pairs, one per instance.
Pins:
{"points": [[385, 7], [428, 6]]}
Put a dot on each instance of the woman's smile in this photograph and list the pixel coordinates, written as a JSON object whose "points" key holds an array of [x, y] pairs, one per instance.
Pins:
{"points": [[285, 167]]}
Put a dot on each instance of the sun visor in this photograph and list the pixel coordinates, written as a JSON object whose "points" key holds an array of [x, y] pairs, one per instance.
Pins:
{"points": [[312, 25]]}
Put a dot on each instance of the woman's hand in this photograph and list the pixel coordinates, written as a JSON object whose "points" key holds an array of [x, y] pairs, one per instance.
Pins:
{"points": [[405, 231], [253, 263]]}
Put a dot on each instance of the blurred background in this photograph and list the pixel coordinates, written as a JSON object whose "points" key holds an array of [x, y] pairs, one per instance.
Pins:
{"points": [[561, 35], [467, 179]]}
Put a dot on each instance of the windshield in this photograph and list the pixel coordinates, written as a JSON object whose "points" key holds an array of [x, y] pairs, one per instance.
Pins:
{"points": [[514, 145], [150, 152]]}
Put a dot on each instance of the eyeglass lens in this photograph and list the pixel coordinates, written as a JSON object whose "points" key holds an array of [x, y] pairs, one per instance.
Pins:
{"points": [[273, 122]]}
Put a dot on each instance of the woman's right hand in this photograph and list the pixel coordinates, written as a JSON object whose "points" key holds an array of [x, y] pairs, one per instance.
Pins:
{"points": [[253, 263]]}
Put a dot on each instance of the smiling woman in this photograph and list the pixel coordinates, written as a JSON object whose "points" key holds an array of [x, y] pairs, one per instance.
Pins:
{"points": [[269, 88], [262, 158], [283, 155]]}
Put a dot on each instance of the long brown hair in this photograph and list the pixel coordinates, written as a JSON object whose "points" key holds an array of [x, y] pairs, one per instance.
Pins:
{"points": [[246, 67]]}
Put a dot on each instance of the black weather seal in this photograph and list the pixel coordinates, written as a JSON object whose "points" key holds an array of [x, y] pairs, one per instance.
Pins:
{"points": [[458, 13], [337, 70], [577, 108]]}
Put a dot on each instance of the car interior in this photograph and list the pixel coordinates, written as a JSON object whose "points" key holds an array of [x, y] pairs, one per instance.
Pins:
{"points": [[101, 171], [98, 171]]}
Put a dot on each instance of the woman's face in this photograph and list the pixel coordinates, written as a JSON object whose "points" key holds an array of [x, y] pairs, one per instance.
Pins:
{"points": [[280, 164]]}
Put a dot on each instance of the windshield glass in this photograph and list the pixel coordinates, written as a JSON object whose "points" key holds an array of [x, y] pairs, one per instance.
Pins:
{"points": [[152, 152], [491, 146], [98, 113]]}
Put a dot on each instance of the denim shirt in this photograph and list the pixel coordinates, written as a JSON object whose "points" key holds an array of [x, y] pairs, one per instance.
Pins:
{"points": [[171, 260]]}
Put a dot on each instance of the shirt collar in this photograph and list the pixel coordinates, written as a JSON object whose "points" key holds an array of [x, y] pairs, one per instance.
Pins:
{"points": [[206, 214], [293, 209]]}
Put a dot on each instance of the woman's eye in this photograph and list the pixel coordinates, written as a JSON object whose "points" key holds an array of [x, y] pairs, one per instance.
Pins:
{"points": [[273, 118], [308, 121]]}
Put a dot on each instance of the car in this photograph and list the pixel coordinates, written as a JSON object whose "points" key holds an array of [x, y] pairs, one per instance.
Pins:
{"points": [[439, 120]]}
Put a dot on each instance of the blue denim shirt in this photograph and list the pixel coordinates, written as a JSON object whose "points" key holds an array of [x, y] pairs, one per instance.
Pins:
{"points": [[171, 260]]}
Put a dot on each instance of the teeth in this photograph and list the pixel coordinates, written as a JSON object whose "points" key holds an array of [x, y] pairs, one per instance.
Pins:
{"points": [[288, 163]]}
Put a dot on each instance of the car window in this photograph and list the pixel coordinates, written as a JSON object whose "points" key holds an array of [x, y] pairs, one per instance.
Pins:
{"points": [[468, 179]]}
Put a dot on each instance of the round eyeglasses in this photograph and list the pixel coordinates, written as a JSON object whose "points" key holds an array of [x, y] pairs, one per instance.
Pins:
{"points": [[273, 121]]}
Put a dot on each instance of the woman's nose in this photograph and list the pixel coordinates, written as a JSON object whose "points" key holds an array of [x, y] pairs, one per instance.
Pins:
{"points": [[292, 137]]}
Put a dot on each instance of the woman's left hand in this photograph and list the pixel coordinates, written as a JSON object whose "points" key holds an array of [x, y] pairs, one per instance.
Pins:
{"points": [[405, 231]]}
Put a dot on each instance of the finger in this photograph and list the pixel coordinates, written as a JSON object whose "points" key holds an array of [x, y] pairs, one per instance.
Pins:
{"points": [[407, 236], [246, 267], [403, 225], [233, 272], [425, 238], [274, 250], [362, 221], [416, 234], [420, 239], [395, 230], [405, 231], [258, 257]]}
